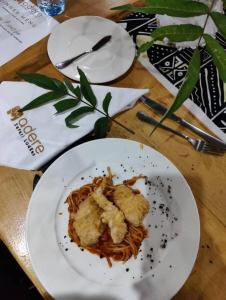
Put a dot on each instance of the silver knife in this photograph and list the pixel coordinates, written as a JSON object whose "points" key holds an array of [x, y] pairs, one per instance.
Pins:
{"points": [[161, 110], [96, 47]]}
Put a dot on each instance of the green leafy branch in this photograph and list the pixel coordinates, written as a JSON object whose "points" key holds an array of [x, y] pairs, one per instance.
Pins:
{"points": [[185, 32], [82, 94]]}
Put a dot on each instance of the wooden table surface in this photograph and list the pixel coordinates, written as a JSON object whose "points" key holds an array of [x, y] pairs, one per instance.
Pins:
{"points": [[204, 173]]}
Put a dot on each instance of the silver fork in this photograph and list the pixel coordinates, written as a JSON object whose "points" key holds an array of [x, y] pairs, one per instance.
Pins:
{"points": [[198, 145]]}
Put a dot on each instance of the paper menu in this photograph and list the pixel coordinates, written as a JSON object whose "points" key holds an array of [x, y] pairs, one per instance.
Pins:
{"points": [[21, 25]]}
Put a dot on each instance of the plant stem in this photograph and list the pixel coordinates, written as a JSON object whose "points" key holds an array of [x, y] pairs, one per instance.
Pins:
{"points": [[103, 113], [207, 17]]}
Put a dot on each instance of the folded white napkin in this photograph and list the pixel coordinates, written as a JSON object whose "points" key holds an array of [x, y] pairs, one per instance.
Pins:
{"points": [[29, 141]]}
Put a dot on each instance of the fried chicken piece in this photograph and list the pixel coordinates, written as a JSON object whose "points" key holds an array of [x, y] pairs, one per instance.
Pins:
{"points": [[87, 222], [111, 216], [134, 206]]}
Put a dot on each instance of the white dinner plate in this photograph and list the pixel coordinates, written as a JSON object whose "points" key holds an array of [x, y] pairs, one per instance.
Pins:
{"points": [[167, 255], [79, 34]]}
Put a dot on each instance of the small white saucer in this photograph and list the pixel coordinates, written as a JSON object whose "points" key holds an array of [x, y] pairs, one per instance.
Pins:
{"points": [[79, 34]]}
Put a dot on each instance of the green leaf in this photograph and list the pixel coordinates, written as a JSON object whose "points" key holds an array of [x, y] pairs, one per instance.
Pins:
{"points": [[86, 89], [106, 102], [220, 21], [144, 47], [191, 78], [177, 33], [172, 8], [76, 115], [69, 85], [44, 82], [66, 104], [43, 99], [218, 53], [101, 127], [77, 92]]}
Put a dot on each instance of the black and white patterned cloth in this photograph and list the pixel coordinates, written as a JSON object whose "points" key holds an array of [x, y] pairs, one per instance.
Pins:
{"points": [[169, 66]]}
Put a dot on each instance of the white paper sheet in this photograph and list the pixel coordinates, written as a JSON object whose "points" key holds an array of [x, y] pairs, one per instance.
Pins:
{"points": [[21, 25]]}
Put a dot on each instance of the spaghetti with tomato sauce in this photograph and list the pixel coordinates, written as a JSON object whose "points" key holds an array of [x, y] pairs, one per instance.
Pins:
{"points": [[105, 247]]}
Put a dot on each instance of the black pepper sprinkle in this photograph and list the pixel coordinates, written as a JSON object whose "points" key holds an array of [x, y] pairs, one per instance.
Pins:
{"points": [[66, 249], [127, 269], [170, 266], [65, 237], [82, 178], [149, 225], [151, 249], [71, 240], [82, 249], [101, 256], [163, 245], [210, 261], [208, 246], [153, 275], [156, 226]]}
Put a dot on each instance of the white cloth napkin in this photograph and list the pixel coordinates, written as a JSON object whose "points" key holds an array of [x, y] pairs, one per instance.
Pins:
{"points": [[34, 138]]}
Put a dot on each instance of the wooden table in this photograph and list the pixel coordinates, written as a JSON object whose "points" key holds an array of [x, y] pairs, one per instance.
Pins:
{"points": [[204, 173]]}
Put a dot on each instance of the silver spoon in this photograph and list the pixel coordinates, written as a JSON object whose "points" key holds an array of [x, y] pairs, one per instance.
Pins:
{"points": [[96, 47]]}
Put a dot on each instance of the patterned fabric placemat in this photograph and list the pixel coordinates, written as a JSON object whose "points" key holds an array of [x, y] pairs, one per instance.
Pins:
{"points": [[169, 65]]}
